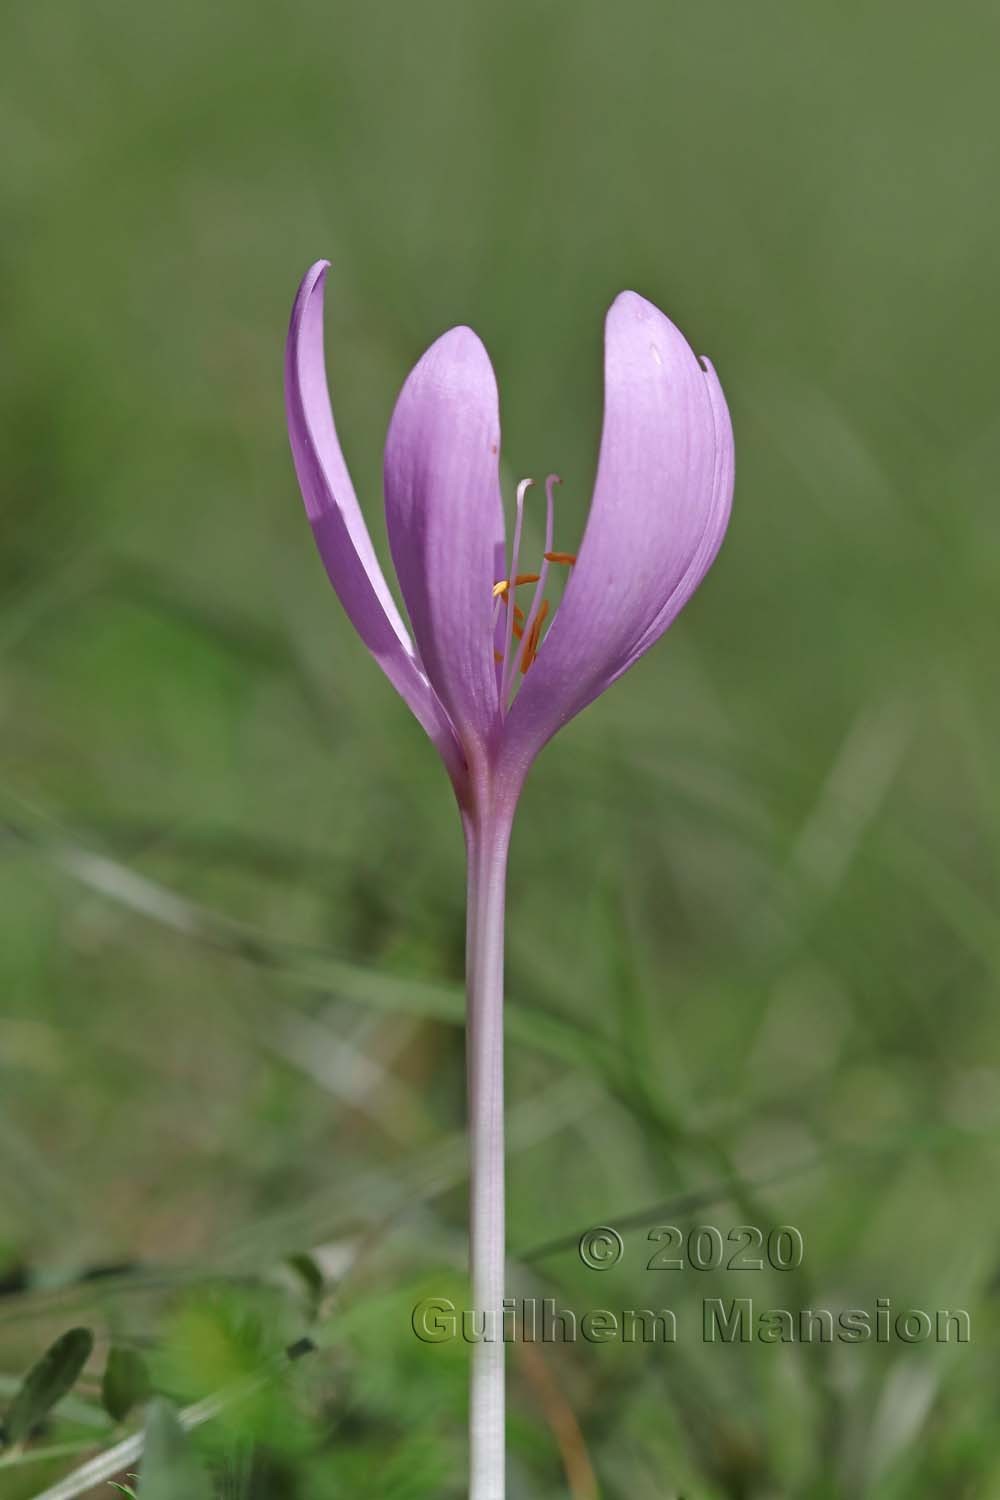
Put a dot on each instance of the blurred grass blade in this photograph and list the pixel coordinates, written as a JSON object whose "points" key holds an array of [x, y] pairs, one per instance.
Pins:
{"points": [[169, 1470], [312, 969], [47, 1382]]}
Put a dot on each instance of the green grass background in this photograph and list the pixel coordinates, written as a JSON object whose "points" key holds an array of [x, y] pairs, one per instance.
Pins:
{"points": [[753, 936]]}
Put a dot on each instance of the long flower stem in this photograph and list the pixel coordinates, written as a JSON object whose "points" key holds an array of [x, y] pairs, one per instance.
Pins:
{"points": [[487, 841]]}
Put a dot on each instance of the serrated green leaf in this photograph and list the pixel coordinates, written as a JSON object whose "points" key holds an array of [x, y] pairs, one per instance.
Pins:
{"points": [[125, 1383], [47, 1382], [170, 1470]]}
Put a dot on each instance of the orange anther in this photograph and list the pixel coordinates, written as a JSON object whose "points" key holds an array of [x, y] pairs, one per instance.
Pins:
{"points": [[566, 558], [534, 636], [518, 612]]}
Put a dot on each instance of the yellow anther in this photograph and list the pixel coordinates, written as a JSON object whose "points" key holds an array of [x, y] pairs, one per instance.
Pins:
{"points": [[501, 588]]}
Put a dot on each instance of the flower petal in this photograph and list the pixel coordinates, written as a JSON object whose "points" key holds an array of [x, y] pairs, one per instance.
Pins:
{"points": [[337, 522], [660, 507], [716, 524], [445, 520]]}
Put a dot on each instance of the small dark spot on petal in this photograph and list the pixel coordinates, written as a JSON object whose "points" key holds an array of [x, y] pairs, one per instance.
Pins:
{"points": [[493, 447]]}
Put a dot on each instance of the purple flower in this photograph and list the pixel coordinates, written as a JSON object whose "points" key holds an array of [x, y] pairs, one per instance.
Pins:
{"points": [[658, 515], [487, 680]]}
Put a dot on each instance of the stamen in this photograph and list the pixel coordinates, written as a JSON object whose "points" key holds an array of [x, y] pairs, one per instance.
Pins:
{"points": [[530, 649], [501, 588], [514, 554], [526, 630], [536, 602]]}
